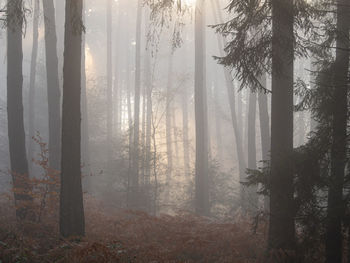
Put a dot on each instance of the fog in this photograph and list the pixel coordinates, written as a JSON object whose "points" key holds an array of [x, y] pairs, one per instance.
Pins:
{"points": [[172, 121]]}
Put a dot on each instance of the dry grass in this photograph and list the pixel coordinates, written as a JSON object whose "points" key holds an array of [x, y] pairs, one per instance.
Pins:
{"points": [[129, 236]]}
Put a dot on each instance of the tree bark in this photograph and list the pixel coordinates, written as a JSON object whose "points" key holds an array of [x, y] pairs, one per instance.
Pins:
{"points": [[202, 206], [282, 229], [16, 133], [32, 81], [72, 221], [335, 211], [53, 89]]}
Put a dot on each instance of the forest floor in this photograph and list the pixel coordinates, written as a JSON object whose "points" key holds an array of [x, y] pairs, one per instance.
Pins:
{"points": [[128, 236]]}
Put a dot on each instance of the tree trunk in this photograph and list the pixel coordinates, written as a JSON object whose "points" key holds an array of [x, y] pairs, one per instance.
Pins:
{"points": [[135, 156], [109, 81], [264, 129], [218, 132], [72, 221], [168, 123], [202, 206], [231, 99], [53, 89], [185, 133], [282, 229], [251, 205], [16, 133], [335, 211], [32, 90], [84, 108]]}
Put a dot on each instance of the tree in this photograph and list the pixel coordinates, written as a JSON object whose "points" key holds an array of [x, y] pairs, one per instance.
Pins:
{"points": [[134, 183], [53, 88], [16, 133], [282, 229], [264, 119], [32, 90], [72, 222], [231, 99], [251, 204], [339, 136], [270, 49], [168, 116], [200, 96], [109, 79]]}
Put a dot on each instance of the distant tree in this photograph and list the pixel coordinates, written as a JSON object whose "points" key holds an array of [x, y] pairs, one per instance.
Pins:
{"points": [[32, 80], [72, 221], [16, 133], [109, 79], [134, 182], [53, 88], [168, 116], [251, 204], [242, 165], [264, 120]]}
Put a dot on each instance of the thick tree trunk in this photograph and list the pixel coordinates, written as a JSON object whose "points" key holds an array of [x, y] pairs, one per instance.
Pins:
{"points": [[32, 90], [282, 229], [16, 133], [72, 221], [335, 211], [202, 205], [53, 89]]}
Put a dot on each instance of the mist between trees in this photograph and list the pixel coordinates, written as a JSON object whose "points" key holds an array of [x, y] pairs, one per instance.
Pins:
{"points": [[158, 113]]}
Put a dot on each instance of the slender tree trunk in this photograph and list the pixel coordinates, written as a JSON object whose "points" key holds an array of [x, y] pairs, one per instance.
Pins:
{"points": [[335, 211], [135, 155], [218, 130], [251, 205], [84, 108], [72, 221], [130, 122], [32, 90], [202, 206], [109, 81], [53, 89], [16, 133], [264, 129], [185, 132], [117, 90], [282, 229], [148, 82], [168, 122], [175, 141], [231, 98]]}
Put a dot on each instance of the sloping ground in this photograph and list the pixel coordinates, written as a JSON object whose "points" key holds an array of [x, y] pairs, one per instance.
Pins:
{"points": [[132, 237]]}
